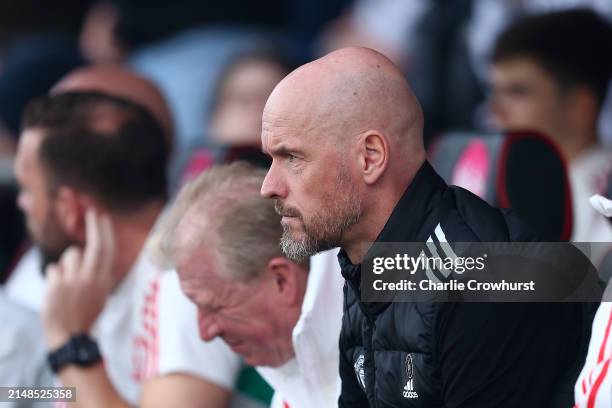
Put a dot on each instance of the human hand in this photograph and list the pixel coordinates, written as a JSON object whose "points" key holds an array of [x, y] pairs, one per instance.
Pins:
{"points": [[78, 285]]}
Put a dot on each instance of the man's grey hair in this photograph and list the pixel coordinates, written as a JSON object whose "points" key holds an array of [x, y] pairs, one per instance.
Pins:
{"points": [[241, 227]]}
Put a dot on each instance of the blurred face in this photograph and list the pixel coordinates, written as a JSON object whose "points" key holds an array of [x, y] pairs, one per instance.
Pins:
{"points": [[237, 117], [526, 97], [311, 183], [36, 201], [244, 315]]}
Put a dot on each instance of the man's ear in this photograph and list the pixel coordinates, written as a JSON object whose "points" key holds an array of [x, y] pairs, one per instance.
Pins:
{"points": [[70, 208], [288, 279], [374, 155]]}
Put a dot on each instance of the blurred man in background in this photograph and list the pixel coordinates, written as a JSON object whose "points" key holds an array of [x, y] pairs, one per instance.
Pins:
{"points": [[550, 73], [91, 169], [113, 81]]}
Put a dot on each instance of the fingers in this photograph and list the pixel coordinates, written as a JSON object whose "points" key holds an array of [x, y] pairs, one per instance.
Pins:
{"points": [[99, 253], [52, 274], [107, 240], [80, 282], [70, 263], [93, 243]]}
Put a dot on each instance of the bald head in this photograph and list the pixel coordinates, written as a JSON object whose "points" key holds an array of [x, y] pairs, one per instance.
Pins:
{"points": [[120, 82], [348, 92], [345, 136]]}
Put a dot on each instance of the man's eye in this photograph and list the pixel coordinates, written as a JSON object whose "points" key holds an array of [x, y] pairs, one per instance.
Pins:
{"points": [[291, 158]]}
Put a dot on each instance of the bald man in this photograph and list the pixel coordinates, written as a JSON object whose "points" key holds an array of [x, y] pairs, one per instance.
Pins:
{"points": [[349, 169], [123, 83]]}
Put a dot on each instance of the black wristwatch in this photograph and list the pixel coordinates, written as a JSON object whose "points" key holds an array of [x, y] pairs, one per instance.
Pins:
{"points": [[80, 350]]}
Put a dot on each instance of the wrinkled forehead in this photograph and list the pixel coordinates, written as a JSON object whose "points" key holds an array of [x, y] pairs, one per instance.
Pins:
{"points": [[204, 290], [287, 135], [203, 283], [283, 123], [288, 104], [298, 117]]}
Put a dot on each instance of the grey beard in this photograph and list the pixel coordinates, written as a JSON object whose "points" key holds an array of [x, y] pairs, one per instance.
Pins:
{"points": [[300, 251], [297, 251]]}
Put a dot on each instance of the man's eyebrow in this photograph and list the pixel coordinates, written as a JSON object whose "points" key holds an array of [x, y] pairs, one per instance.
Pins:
{"points": [[280, 150]]}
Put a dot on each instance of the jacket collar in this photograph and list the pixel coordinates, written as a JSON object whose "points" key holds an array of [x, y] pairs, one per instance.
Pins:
{"points": [[412, 219], [416, 210]]}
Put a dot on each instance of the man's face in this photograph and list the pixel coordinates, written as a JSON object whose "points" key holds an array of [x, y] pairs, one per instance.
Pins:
{"points": [[526, 97], [311, 182], [244, 315], [36, 201]]}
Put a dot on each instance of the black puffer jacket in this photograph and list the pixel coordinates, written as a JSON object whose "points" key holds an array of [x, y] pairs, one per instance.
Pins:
{"points": [[455, 354]]}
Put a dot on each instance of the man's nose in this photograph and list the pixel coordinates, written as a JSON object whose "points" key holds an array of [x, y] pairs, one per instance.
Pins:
{"points": [[208, 327], [272, 186], [498, 113]]}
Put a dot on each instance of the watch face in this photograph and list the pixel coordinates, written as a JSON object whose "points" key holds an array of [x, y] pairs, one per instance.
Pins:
{"points": [[83, 355], [86, 350]]}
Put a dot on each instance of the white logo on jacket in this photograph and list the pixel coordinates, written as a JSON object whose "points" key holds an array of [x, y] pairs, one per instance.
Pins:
{"points": [[360, 371], [409, 387], [447, 251]]}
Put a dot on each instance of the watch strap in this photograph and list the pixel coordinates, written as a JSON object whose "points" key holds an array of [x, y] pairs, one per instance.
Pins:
{"points": [[80, 350]]}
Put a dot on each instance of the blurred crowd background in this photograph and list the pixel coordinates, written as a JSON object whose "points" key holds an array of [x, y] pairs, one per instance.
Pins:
{"points": [[216, 61]]}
